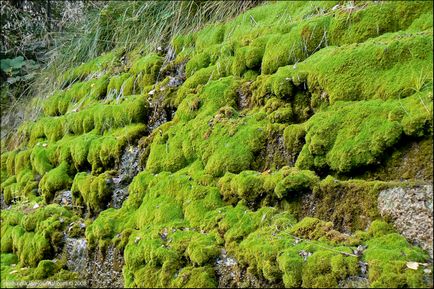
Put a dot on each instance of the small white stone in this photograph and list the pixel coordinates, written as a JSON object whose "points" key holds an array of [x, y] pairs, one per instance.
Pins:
{"points": [[413, 265]]}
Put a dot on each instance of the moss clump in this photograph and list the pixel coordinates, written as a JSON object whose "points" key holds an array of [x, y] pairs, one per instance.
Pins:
{"points": [[295, 46], [22, 161], [45, 269], [79, 149], [7, 263], [202, 249], [353, 202], [147, 69], [164, 204], [209, 35], [374, 20], [371, 70], [195, 277], [387, 254], [92, 191], [76, 97], [55, 180], [251, 185], [8, 162], [273, 252], [98, 64], [119, 85], [294, 139], [40, 160], [325, 268], [104, 151], [197, 62], [350, 135], [214, 136], [97, 116], [314, 229], [104, 117], [34, 235]]}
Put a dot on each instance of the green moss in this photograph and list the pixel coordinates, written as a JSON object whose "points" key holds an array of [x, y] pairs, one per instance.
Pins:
{"points": [[250, 80], [183, 42], [147, 69], [209, 35], [10, 163], [104, 151], [45, 269], [22, 186], [32, 235], [101, 63], [92, 191], [202, 76], [104, 117], [79, 149], [295, 181], [278, 111], [295, 46], [249, 57], [120, 85], [351, 135], [226, 152], [55, 180], [4, 188], [294, 138], [325, 268], [387, 254], [4, 160], [137, 189], [39, 160], [197, 62], [379, 228], [195, 277], [202, 249], [271, 251], [422, 23], [76, 97], [218, 144], [353, 202], [373, 20], [22, 161], [371, 70], [251, 185], [103, 228], [314, 229]]}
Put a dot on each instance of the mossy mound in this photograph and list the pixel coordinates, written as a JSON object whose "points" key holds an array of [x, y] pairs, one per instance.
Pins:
{"points": [[264, 142], [34, 234]]}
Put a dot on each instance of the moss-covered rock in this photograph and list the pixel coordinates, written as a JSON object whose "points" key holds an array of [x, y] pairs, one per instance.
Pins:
{"points": [[265, 106]]}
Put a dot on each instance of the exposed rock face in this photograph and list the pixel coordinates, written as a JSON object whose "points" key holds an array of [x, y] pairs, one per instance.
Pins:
{"points": [[128, 169], [231, 274], [104, 269], [100, 268], [411, 210]]}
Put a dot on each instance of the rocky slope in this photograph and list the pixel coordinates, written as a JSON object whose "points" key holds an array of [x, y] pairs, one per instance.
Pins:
{"points": [[290, 146]]}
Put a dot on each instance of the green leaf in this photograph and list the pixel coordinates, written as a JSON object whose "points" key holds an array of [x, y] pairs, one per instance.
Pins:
{"points": [[15, 63]]}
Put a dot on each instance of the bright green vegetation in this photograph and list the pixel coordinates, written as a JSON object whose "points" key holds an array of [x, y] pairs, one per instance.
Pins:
{"points": [[387, 254], [34, 234], [353, 135], [292, 118]]}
